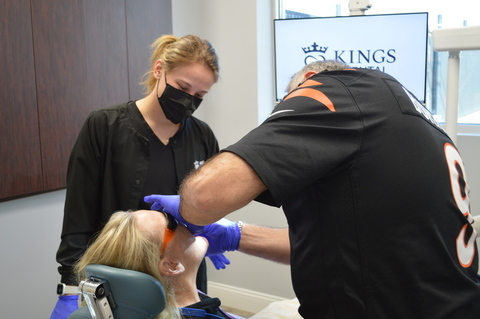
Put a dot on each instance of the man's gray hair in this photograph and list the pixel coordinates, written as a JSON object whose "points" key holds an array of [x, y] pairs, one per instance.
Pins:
{"points": [[317, 67]]}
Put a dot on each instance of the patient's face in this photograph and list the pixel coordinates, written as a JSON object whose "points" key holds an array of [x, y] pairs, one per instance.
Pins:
{"points": [[183, 246]]}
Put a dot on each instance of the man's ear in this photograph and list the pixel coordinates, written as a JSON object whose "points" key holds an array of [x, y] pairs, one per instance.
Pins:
{"points": [[169, 267], [309, 74]]}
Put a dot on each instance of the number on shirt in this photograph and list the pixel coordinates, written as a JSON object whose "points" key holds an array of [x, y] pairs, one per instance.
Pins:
{"points": [[458, 181]]}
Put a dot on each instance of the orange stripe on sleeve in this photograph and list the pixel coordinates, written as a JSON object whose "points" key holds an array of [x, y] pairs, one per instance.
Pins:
{"points": [[313, 94]]}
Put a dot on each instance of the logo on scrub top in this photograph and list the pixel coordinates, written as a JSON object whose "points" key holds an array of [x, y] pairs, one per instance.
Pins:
{"points": [[197, 164]]}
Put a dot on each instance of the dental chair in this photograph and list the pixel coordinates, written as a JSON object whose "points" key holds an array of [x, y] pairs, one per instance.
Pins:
{"points": [[114, 293]]}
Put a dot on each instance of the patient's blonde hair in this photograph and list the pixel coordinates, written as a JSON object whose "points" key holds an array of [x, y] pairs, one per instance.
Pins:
{"points": [[121, 244]]}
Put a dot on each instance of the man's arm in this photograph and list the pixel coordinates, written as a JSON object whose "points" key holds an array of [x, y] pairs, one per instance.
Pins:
{"points": [[260, 241], [269, 243], [222, 185]]}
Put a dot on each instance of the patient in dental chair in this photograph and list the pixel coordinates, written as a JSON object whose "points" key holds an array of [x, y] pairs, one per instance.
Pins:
{"points": [[153, 243]]}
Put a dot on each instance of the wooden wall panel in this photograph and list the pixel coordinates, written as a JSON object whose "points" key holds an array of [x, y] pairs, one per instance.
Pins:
{"points": [[20, 164], [59, 38], [59, 61], [145, 23], [107, 64]]}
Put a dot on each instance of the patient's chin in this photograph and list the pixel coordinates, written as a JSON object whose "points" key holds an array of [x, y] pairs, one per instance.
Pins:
{"points": [[201, 243], [202, 240]]}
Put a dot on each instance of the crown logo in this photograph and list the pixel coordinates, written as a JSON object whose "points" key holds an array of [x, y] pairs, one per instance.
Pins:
{"points": [[315, 48]]}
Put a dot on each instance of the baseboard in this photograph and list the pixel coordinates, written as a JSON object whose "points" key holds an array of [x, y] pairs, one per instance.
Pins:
{"points": [[239, 298]]}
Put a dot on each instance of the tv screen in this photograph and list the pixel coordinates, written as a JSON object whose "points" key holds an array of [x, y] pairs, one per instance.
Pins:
{"points": [[393, 43]]}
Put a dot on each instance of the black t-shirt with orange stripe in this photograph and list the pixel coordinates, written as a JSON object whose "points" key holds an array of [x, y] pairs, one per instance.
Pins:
{"points": [[376, 199]]}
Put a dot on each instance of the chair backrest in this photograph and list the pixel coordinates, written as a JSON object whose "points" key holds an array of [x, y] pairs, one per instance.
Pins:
{"points": [[135, 295]]}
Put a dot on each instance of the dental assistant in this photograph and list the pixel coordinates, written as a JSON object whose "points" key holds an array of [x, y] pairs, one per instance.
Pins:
{"points": [[132, 149]]}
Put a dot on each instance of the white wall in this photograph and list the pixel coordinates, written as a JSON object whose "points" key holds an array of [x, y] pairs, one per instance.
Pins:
{"points": [[29, 238], [30, 227]]}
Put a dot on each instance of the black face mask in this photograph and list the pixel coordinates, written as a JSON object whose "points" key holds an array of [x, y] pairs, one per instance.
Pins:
{"points": [[176, 104]]}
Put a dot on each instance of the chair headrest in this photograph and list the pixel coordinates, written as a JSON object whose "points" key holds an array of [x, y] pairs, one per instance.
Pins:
{"points": [[136, 294]]}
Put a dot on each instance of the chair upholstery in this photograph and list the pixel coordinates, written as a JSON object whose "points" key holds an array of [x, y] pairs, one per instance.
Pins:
{"points": [[81, 313], [136, 295]]}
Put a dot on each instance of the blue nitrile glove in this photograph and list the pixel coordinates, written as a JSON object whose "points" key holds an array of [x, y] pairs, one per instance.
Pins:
{"points": [[220, 261], [65, 306], [171, 205], [222, 236]]}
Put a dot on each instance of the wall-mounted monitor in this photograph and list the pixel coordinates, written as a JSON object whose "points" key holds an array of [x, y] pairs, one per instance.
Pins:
{"points": [[393, 43]]}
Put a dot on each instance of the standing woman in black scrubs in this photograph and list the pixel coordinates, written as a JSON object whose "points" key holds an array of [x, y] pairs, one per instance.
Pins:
{"points": [[137, 148]]}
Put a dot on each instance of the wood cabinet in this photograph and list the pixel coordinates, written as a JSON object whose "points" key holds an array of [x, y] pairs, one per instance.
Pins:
{"points": [[59, 60]]}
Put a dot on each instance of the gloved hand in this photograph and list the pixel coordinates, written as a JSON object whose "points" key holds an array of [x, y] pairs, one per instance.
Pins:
{"points": [[220, 261], [222, 236], [65, 306], [171, 205]]}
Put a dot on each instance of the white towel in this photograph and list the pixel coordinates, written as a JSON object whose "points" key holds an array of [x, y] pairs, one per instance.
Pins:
{"points": [[285, 309]]}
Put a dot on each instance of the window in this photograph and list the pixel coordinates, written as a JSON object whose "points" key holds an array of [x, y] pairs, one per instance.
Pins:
{"points": [[441, 15]]}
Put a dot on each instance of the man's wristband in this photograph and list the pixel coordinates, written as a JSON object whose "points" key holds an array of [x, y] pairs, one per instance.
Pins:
{"points": [[240, 225], [63, 290]]}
